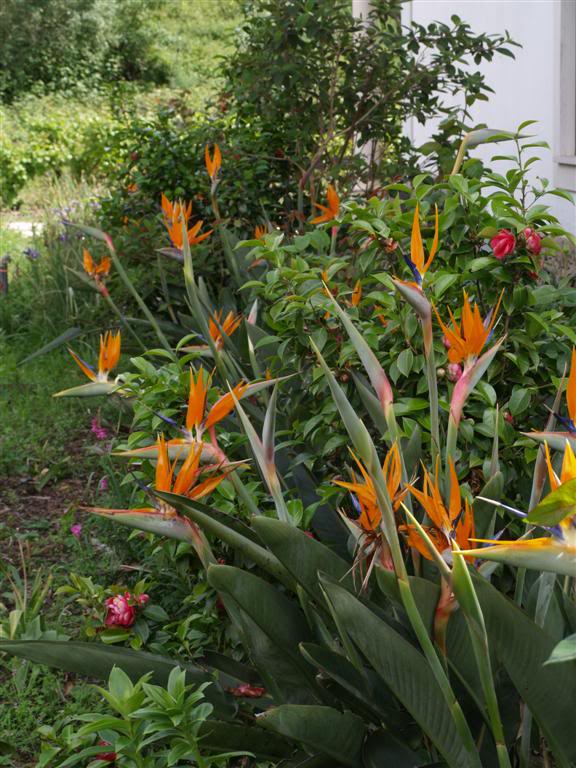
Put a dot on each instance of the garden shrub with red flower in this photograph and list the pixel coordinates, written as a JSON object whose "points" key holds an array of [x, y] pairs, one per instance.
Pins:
{"points": [[408, 609]]}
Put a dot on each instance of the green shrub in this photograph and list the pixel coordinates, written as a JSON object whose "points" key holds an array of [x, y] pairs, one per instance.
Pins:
{"points": [[63, 44]]}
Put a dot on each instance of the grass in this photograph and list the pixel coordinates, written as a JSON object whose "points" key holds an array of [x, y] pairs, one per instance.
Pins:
{"points": [[50, 463]]}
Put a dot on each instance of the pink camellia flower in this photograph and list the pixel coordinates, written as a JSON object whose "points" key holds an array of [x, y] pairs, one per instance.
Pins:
{"points": [[76, 530], [503, 244], [454, 372], [533, 241], [122, 609], [120, 612]]}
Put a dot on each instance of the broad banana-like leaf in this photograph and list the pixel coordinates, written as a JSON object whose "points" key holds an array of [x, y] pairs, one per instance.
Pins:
{"points": [[301, 555], [228, 532], [555, 440], [367, 689], [406, 672], [382, 749], [239, 737], [523, 648], [545, 554], [321, 729], [97, 660], [272, 627], [92, 389]]}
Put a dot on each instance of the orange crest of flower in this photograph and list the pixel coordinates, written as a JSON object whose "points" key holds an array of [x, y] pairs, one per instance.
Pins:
{"points": [[448, 522], [330, 211], [107, 360], [213, 164], [259, 232], [417, 254], [467, 338], [568, 471], [176, 217], [185, 483], [109, 352], [197, 402], [370, 514], [96, 270], [225, 405], [229, 325]]}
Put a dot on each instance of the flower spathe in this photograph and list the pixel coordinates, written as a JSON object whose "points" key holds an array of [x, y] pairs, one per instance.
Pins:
{"points": [[468, 337], [176, 216], [213, 163], [365, 493], [417, 261], [228, 325], [107, 359], [329, 211]]}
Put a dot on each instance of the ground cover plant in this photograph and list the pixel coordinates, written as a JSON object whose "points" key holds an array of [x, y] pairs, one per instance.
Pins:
{"points": [[390, 632]]}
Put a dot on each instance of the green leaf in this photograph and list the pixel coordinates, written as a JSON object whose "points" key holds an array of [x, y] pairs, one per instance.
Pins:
{"points": [[68, 335], [228, 534], [404, 670], [321, 729], [301, 555], [564, 651], [224, 736], [556, 506], [519, 401], [273, 627], [404, 361], [523, 648], [97, 660], [382, 749]]}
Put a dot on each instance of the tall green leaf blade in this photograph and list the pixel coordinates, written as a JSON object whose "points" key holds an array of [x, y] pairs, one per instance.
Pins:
{"points": [[523, 648], [229, 535], [97, 660], [404, 670], [321, 729], [301, 555], [273, 628]]}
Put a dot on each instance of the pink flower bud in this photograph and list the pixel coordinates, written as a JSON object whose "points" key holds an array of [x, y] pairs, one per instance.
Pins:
{"points": [[446, 342], [508, 417], [503, 244], [533, 241], [109, 757], [454, 372], [247, 691]]}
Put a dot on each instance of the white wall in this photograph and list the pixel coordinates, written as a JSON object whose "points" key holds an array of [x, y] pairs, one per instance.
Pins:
{"points": [[526, 88]]}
